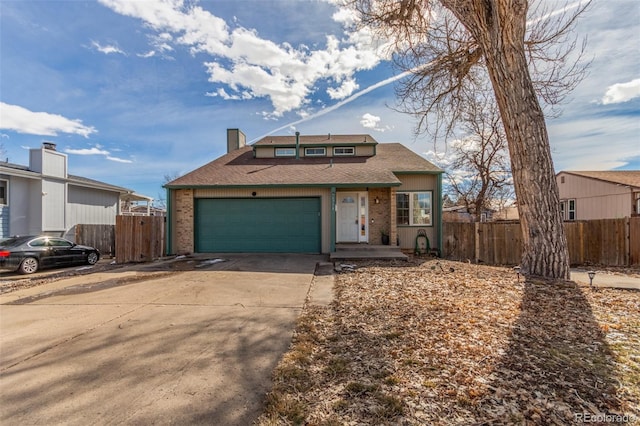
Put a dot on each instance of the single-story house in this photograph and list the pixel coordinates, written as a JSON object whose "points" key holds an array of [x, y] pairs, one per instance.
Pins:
{"points": [[588, 195], [304, 194], [43, 198]]}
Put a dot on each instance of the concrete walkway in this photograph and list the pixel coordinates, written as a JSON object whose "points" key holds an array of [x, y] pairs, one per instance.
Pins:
{"points": [[604, 279]]}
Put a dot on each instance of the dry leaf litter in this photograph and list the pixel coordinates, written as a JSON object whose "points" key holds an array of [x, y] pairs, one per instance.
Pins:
{"points": [[448, 343]]}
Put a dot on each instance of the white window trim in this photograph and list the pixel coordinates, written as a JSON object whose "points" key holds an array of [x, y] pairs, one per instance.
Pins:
{"points": [[6, 193], [570, 210], [411, 218], [324, 151], [352, 148], [285, 152]]}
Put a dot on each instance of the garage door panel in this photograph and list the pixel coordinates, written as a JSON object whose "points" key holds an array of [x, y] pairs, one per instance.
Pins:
{"points": [[258, 225]]}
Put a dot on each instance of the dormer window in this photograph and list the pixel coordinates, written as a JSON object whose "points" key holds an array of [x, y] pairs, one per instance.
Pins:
{"points": [[285, 152], [344, 150], [315, 152]]}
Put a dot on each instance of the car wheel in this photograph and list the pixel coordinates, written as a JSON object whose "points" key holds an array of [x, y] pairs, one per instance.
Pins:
{"points": [[28, 266], [92, 258]]}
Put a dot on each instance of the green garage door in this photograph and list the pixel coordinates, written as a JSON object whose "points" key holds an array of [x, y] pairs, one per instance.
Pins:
{"points": [[267, 225]]}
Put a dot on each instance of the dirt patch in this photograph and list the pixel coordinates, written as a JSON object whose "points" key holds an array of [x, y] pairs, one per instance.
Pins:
{"points": [[446, 343]]}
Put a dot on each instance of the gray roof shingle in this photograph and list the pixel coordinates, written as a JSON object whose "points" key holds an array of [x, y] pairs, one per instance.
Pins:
{"points": [[239, 168]]}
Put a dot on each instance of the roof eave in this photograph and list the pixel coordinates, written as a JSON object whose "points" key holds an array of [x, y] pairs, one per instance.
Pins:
{"points": [[287, 185], [418, 172]]}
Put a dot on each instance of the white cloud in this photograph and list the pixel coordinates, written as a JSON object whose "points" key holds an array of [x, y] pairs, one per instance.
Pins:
{"points": [[87, 151], [256, 67], [21, 120], [622, 92], [96, 150], [371, 121], [346, 89], [442, 159], [107, 50]]}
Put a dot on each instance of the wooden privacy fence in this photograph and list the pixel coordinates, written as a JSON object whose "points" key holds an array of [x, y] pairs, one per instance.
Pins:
{"points": [[139, 238], [102, 237], [614, 242]]}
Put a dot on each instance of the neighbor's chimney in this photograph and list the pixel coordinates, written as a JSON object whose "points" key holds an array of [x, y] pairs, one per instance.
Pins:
{"points": [[235, 139], [49, 145], [297, 145]]}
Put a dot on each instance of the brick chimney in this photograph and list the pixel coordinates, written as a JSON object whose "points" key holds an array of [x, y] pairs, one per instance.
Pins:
{"points": [[235, 139]]}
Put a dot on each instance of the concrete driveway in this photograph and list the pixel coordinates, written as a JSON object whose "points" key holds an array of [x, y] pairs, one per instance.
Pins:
{"points": [[189, 347]]}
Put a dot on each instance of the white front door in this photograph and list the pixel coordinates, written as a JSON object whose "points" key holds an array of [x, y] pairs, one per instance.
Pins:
{"points": [[351, 216]]}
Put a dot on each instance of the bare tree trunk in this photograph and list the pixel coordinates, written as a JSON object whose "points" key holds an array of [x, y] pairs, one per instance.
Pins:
{"points": [[544, 242]]}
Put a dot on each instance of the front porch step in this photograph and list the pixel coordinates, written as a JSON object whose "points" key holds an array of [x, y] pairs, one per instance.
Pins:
{"points": [[366, 251]]}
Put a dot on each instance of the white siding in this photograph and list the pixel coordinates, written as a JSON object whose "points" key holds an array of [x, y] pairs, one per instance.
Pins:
{"points": [[48, 162], [91, 206], [34, 207], [21, 216], [53, 207]]}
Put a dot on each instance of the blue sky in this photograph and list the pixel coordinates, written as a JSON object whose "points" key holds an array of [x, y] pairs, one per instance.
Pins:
{"points": [[133, 91]]}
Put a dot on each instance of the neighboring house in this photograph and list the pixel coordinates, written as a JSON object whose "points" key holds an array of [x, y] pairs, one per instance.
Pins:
{"points": [[508, 213], [134, 205], [43, 198], [457, 214], [599, 195], [461, 213], [304, 194]]}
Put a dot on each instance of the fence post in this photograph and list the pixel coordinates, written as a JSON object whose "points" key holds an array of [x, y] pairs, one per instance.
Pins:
{"points": [[476, 239], [627, 241]]}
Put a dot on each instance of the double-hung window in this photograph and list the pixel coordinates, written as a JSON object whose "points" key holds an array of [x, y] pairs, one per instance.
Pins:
{"points": [[571, 210], [344, 150], [315, 152], [414, 208], [285, 152], [568, 209]]}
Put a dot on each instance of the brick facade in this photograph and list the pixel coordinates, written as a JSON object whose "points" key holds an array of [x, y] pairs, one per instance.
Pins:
{"points": [[382, 216], [184, 231]]}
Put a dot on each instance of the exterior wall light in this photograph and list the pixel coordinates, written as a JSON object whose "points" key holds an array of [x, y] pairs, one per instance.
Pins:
{"points": [[377, 200]]}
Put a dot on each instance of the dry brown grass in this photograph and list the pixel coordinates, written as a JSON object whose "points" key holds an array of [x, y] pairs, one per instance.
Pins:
{"points": [[438, 342]]}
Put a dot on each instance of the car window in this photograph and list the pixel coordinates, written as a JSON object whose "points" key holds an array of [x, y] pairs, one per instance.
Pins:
{"points": [[38, 242], [56, 242], [11, 241]]}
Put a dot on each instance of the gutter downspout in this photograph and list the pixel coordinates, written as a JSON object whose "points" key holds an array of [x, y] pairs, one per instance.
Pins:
{"points": [[168, 217], [332, 220], [297, 145], [440, 248]]}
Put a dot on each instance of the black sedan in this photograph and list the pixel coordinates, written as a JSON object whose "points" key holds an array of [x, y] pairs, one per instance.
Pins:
{"points": [[30, 253]]}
